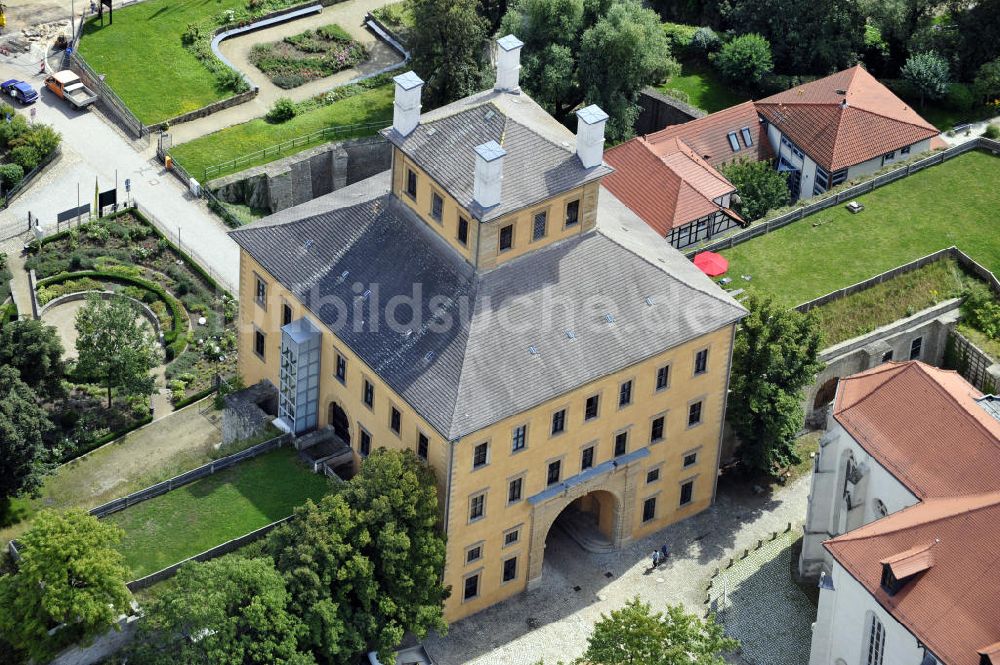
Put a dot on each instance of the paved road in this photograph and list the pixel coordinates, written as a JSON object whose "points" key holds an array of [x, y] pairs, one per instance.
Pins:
{"points": [[94, 149], [577, 587]]}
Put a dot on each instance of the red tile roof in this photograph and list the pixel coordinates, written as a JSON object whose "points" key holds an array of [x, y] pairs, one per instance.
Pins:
{"points": [[923, 425], [667, 187], [873, 121], [708, 136], [952, 606]]}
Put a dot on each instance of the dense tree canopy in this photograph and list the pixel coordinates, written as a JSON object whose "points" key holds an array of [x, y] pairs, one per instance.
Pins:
{"points": [[760, 186], [23, 425], [589, 51], [806, 37], [364, 566], [774, 358], [635, 635], [34, 349], [230, 611], [448, 42], [70, 573], [113, 347]]}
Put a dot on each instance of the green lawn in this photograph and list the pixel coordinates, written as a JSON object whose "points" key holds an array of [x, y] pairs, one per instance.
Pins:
{"points": [[954, 203], [210, 511], [707, 90], [367, 106]]}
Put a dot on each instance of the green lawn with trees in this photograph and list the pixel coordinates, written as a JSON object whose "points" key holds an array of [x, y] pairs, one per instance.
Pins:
{"points": [[368, 106], [949, 204], [210, 511], [704, 87]]}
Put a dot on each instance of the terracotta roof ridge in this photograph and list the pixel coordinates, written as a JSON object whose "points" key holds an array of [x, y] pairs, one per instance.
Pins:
{"points": [[928, 126], [966, 505]]}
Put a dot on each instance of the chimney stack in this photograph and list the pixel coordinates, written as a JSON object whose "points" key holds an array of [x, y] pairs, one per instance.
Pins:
{"points": [[590, 123], [406, 109], [489, 174], [508, 64]]}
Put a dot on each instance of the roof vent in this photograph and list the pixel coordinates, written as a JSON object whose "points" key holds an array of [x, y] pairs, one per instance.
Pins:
{"points": [[408, 333], [841, 92], [649, 301], [533, 350], [844, 104], [429, 356], [308, 244], [343, 277], [364, 296], [570, 334], [609, 317], [431, 131]]}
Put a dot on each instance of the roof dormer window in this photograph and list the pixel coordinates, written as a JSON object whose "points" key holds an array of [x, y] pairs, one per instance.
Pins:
{"points": [[734, 142], [899, 569]]}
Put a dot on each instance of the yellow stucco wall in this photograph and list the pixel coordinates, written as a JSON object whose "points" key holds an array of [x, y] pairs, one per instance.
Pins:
{"points": [[532, 462], [482, 248]]}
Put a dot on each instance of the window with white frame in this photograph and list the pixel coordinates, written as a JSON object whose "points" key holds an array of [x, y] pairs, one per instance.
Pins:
{"points": [[734, 142], [747, 139], [875, 642]]}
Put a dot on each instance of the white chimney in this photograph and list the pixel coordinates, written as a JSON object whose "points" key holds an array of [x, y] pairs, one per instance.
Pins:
{"points": [[406, 109], [508, 64], [489, 174], [590, 123]]}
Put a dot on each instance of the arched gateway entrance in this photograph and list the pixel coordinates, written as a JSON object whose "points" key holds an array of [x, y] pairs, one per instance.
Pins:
{"points": [[337, 418], [602, 501]]}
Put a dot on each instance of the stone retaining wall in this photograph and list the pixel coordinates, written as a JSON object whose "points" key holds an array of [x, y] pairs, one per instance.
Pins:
{"points": [[658, 111], [306, 175], [235, 100]]}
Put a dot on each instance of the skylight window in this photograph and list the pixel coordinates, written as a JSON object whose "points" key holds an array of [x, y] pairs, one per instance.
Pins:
{"points": [[734, 142], [747, 139]]}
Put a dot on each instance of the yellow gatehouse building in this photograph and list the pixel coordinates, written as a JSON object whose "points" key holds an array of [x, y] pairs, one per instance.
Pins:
{"points": [[487, 304]]}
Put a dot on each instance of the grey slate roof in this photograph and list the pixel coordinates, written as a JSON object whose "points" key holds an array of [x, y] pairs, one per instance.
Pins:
{"points": [[471, 366], [538, 164]]}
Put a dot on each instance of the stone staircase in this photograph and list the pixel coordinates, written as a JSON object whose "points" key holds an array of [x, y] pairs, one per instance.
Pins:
{"points": [[582, 529]]}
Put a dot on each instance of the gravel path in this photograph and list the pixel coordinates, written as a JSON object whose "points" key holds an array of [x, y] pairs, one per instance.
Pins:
{"points": [[563, 617]]}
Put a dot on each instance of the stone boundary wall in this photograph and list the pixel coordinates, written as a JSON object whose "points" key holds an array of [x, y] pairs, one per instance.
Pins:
{"points": [[835, 198], [657, 111], [305, 175], [235, 100], [203, 471]]}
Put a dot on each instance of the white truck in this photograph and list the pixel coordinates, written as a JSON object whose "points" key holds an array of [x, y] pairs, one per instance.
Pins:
{"points": [[68, 85]]}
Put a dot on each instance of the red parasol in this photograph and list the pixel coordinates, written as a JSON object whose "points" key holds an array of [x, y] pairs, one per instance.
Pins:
{"points": [[711, 264]]}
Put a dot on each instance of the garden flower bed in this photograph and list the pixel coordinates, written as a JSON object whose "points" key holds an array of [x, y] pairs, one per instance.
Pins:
{"points": [[307, 56], [125, 253]]}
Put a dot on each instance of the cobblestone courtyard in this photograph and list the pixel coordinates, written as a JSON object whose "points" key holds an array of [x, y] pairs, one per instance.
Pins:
{"points": [[553, 621], [762, 607]]}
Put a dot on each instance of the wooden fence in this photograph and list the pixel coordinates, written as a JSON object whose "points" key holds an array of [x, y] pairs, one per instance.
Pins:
{"points": [[971, 362], [835, 198]]}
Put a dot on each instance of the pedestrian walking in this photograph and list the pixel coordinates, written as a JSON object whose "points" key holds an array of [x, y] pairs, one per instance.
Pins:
{"points": [[656, 558], [664, 552], [41, 66]]}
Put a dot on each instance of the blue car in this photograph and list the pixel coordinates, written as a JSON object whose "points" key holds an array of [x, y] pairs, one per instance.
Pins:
{"points": [[19, 90]]}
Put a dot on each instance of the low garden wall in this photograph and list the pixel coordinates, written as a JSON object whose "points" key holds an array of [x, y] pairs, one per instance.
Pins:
{"points": [[836, 197], [146, 312], [214, 107], [657, 111]]}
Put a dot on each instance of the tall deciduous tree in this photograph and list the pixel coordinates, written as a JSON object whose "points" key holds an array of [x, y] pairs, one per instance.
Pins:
{"points": [[774, 358], [69, 574], [113, 347], [448, 42], [23, 425], [988, 81], [745, 60], [622, 53], [635, 635], [364, 566], [34, 349], [759, 185], [230, 611], [928, 74]]}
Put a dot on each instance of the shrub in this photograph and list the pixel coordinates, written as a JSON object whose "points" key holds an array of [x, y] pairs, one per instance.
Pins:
{"points": [[11, 175], [190, 36], [960, 97], [745, 60], [679, 37], [981, 310], [992, 131], [25, 156], [677, 94], [705, 40], [282, 111], [230, 79], [988, 81], [761, 188]]}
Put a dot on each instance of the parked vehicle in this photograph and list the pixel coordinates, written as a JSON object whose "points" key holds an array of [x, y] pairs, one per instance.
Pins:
{"points": [[68, 85], [19, 90]]}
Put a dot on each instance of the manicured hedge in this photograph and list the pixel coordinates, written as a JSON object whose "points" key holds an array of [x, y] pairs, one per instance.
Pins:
{"points": [[175, 339], [108, 438], [191, 399]]}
